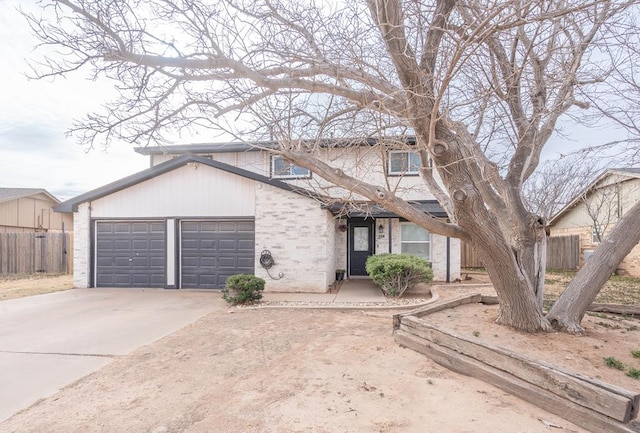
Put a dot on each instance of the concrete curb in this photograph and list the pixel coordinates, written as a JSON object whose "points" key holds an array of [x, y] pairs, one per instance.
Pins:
{"points": [[435, 296]]}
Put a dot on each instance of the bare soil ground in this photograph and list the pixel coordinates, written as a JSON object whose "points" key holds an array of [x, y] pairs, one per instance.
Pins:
{"points": [[288, 370]]}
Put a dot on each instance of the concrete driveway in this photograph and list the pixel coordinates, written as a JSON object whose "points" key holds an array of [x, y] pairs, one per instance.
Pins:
{"points": [[48, 341]]}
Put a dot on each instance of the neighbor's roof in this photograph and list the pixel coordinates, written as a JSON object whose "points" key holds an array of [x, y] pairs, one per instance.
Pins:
{"points": [[238, 146], [71, 205], [629, 171], [7, 194]]}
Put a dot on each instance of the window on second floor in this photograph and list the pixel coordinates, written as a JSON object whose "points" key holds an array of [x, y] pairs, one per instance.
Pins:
{"points": [[282, 169], [403, 162]]}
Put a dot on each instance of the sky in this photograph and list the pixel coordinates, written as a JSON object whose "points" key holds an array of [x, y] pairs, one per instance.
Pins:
{"points": [[34, 116]]}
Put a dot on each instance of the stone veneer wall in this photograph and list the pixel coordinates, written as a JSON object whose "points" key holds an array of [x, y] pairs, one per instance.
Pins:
{"points": [[301, 238], [82, 246], [340, 247]]}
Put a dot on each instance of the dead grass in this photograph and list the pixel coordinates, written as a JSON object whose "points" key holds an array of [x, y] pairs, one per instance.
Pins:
{"points": [[618, 290], [18, 286]]}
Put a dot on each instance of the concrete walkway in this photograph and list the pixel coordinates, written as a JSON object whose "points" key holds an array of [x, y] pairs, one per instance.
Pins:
{"points": [[352, 290]]}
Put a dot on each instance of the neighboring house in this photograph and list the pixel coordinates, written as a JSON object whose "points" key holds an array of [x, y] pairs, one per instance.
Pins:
{"points": [[597, 209], [203, 212], [25, 210]]}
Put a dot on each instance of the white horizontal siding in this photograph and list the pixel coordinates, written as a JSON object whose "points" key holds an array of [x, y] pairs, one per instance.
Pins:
{"points": [[365, 163], [194, 190], [368, 165], [254, 161]]}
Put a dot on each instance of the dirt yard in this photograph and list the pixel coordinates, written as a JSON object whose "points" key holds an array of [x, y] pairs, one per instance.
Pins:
{"points": [[287, 370]]}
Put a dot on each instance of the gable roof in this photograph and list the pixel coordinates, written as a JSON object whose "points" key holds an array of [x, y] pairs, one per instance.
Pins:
{"points": [[239, 146], [7, 194], [633, 172], [71, 205]]}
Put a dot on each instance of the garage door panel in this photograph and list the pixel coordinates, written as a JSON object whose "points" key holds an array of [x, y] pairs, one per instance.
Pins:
{"points": [[119, 262], [246, 226], [157, 244], [130, 254], [208, 262], [141, 262], [157, 262], [208, 244], [245, 262], [246, 245], [208, 280], [228, 226], [121, 228], [208, 226], [211, 251], [227, 262], [227, 245]]}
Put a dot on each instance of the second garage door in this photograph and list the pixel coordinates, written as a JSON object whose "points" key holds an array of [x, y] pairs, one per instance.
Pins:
{"points": [[211, 251]]}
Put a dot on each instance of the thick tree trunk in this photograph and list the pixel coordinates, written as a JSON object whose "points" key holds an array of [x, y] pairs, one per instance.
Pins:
{"points": [[568, 311], [517, 290]]}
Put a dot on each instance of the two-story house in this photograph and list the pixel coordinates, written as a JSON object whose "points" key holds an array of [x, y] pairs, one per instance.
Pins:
{"points": [[203, 212]]}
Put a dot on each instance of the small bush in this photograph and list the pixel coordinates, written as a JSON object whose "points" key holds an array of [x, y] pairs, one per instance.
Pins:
{"points": [[612, 362], [634, 373], [395, 273], [243, 289]]}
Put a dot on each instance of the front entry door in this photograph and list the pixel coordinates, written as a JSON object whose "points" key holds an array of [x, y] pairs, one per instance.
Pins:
{"points": [[361, 241]]}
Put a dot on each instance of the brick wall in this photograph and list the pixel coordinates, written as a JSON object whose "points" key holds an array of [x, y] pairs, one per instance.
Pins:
{"points": [[301, 238], [82, 246]]}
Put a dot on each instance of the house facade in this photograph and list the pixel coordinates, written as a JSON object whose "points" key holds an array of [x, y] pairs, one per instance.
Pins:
{"points": [[596, 210], [28, 210], [203, 212]]}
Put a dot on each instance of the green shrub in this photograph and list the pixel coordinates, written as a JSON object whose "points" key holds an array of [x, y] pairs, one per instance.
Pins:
{"points": [[243, 289], [395, 273], [634, 373], [612, 362]]}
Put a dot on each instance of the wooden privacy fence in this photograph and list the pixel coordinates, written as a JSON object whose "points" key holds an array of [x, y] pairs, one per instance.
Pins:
{"points": [[30, 253], [563, 252]]}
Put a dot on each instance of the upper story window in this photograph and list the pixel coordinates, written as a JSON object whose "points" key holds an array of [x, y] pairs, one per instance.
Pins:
{"points": [[282, 169], [403, 162]]}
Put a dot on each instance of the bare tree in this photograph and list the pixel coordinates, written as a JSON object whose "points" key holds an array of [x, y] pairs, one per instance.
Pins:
{"points": [[481, 85], [557, 182]]}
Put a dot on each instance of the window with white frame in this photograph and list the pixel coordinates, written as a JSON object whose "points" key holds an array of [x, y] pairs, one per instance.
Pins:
{"points": [[403, 162], [282, 169], [415, 240]]}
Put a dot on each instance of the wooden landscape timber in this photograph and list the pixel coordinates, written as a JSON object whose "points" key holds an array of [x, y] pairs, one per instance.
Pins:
{"points": [[629, 310], [587, 402]]}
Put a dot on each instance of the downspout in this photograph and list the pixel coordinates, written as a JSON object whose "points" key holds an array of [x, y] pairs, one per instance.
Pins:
{"points": [[390, 225], [448, 259]]}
